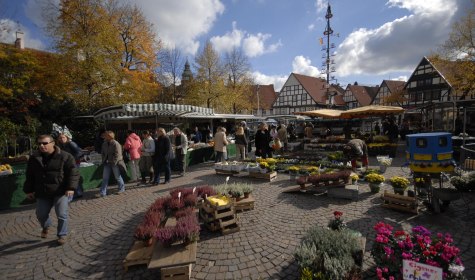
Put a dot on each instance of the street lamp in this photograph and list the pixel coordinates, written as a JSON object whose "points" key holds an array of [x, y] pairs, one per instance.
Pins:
{"points": [[257, 99]]}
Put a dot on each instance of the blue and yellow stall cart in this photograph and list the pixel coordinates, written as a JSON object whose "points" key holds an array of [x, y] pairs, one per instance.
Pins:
{"points": [[429, 156], [430, 152]]}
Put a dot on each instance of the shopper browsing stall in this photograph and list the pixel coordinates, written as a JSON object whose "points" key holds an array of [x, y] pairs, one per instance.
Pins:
{"points": [[354, 150]]}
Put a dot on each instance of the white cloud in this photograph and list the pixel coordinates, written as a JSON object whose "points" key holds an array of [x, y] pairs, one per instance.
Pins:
{"points": [[397, 45], [9, 35], [403, 78], [303, 65], [311, 27], [228, 41], [180, 23], [254, 45], [276, 80], [321, 5]]}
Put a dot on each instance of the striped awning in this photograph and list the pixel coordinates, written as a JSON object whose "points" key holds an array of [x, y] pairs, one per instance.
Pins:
{"points": [[148, 110]]}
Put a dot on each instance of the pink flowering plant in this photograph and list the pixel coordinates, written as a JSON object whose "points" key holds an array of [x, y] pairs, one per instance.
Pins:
{"points": [[391, 248]]}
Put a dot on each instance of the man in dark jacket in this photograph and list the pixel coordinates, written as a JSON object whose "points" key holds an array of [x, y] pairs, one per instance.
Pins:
{"points": [[163, 156], [51, 178]]}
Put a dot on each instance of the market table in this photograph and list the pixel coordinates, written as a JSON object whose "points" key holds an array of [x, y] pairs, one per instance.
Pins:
{"points": [[11, 186]]}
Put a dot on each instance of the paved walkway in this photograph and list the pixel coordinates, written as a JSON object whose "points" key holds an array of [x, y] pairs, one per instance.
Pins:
{"points": [[102, 232]]}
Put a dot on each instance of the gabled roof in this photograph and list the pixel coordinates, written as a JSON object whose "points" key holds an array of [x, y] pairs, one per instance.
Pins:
{"points": [[267, 96], [316, 88], [363, 94], [393, 86]]}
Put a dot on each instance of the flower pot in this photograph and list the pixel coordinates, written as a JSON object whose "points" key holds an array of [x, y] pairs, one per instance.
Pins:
{"points": [[399, 191], [375, 187], [382, 168], [246, 195], [292, 176], [354, 181]]}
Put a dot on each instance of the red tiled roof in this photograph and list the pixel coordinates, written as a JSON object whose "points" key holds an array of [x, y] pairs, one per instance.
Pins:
{"points": [[363, 94], [267, 96], [316, 88], [394, 86]]}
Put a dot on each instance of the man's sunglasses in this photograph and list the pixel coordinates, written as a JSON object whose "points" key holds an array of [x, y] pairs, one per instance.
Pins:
{"points": [[44, 143]]}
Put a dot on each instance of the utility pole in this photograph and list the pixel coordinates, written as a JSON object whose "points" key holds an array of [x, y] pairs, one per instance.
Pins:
{"points": [[258, 99]]}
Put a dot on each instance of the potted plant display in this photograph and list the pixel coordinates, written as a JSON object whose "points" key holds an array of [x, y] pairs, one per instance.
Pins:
{"points": [[247, 190], [374, 181], [293, 171], [399, 184], [384, 162], [354, 178], [392, 247]]}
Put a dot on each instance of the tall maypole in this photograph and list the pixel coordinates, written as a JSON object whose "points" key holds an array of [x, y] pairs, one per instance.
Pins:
{"points": [[327, 64]]}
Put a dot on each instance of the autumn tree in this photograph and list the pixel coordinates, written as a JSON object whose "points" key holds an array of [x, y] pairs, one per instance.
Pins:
{"points": [[240, 81], [208, 86], [171, 66], [107, 51], [457, 55]]}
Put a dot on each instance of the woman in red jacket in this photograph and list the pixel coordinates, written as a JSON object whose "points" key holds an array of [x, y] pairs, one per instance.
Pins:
{"points": [[132, 146]]}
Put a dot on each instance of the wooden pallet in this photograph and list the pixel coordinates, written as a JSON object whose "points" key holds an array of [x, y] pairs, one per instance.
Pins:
{"points": [[138, 254], [271, 176], [226, 172], [400, 202], [244, 204], [173, 256], [182, 272]]}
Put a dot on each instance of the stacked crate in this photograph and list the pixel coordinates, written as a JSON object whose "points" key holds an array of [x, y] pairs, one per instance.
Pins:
{"points": [[219, 217]]}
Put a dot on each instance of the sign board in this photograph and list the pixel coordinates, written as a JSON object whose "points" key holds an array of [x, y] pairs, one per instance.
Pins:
{"points": [[418, 271]]}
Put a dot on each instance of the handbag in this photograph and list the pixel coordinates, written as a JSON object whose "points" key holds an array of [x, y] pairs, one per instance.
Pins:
{"points": [[126, 156]]}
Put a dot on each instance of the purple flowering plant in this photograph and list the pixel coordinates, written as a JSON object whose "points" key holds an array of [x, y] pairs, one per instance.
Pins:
{"points": [[391, 248]]}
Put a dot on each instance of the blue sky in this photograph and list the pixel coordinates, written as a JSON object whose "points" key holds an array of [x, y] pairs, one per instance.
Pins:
{"points": [[378, 39]]}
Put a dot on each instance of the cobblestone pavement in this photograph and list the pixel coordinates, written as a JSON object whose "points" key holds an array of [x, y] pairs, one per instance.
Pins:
{"points": [[102, 232]]}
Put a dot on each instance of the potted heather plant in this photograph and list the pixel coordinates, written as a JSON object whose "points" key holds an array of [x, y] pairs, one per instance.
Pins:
{"points": [[236, 191], [205, 191], [166, 236], [187, 229], [247, 190], [145, 232]]}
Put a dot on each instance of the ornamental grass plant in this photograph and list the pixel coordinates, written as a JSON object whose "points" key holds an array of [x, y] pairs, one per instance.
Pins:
{"points": [[328, 254]]}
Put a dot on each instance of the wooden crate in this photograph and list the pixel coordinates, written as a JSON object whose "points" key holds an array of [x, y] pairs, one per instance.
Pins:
{"points": [[266, 176], [182, 272], [138, 254], [230, 229], [244, 204], [400, 202]]}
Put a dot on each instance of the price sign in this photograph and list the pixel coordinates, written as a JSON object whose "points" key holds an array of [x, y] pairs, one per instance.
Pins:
{"points": [[418, 271]]}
